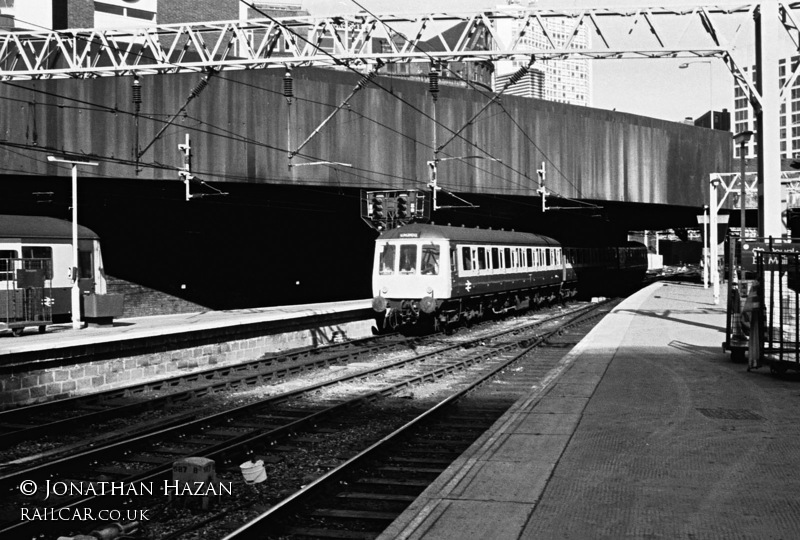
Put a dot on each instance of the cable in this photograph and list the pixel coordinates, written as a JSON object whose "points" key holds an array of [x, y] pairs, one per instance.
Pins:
{"points": [[493, 96], [378, 85], [199, 88], [516, 77]]}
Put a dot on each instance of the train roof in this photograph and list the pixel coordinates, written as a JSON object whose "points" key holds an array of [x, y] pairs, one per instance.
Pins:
{"points": [[40, 227], [464, 234]]}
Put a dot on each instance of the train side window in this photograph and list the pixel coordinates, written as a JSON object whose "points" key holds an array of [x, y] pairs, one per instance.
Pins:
{"points": [[430, 260], [408, 258], [547, 257], [6, 264], [43, 256], [529, 257], [495, 258], [507, 257], [386, 262], [466, 258], [481, 258]]}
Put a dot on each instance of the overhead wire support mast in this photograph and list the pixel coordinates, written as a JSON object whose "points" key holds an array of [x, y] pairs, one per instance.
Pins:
{"points": [[136, 88], [86, 53], [542, 191], [186, 173], [433, 184]]}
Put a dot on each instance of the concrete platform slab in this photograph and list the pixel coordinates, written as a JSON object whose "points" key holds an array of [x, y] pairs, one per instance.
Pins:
{"points": [[546, 424], [439, 518], [661, 436]]}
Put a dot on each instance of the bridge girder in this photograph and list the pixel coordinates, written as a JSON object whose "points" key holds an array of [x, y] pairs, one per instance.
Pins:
{"points": [[346, 40]]}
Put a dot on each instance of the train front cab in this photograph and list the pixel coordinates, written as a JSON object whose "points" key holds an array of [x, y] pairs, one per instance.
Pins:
{"points": [[411, 277]]}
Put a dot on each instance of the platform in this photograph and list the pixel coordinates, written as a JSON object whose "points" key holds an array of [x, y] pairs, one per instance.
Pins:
{"points": [[645, 430], [63, 335], [64, 362]]}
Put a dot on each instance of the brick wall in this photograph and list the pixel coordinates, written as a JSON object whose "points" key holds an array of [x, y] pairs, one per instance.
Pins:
{"points": [[80, 14], [179, 11], [125, 369], [142, 301]]}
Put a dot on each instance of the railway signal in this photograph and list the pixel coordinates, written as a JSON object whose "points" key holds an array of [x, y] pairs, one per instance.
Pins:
{"points": [[378, 211], [402, 206], [384, 210]]}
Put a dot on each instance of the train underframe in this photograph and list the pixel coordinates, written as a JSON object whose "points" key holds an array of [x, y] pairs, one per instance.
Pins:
{"points": [[448, 313]]}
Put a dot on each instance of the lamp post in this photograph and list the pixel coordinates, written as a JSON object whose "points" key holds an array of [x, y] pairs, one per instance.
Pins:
{"points": [[704, 220], [710, 84], [76, 292], [741, 139]]}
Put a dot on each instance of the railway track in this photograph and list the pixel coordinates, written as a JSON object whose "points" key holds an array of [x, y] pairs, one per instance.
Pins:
{"points": [[361, 497], [74, 415], [237, 432]]}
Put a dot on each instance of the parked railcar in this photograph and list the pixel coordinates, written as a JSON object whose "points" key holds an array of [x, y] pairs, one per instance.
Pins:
{"points": [[36, 270], [607, 270], [447, 275], [631, 265], [455, 274]]}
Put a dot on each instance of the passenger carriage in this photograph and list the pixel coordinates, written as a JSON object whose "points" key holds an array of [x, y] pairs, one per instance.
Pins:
{"points": [[451, 274], [35, 270]]}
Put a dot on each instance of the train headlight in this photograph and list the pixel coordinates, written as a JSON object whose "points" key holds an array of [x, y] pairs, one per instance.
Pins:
{"points": [[429, 290], [384, 290], [379, 304], [427, 304]]}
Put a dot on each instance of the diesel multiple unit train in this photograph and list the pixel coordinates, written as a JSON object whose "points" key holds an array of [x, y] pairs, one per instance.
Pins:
{"points": [[449, 275], [36, 274]]}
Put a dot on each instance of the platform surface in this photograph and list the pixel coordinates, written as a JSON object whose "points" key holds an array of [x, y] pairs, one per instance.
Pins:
{"points": [[646, 430], [63, 335]]}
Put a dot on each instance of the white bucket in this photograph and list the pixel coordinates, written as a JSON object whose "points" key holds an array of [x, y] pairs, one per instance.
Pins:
{"points": [[253, 473]]}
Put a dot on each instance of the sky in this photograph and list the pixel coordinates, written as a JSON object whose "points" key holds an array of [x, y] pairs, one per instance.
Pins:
{"points": [[653, 87]]}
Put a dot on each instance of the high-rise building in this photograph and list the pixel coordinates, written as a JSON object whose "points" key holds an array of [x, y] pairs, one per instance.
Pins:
{"points": [[744, 119], [566, 81], [63, 14], [532, 84]]}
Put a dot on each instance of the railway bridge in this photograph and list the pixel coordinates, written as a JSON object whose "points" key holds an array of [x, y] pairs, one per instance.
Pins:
{"points": [[275, 159]]}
